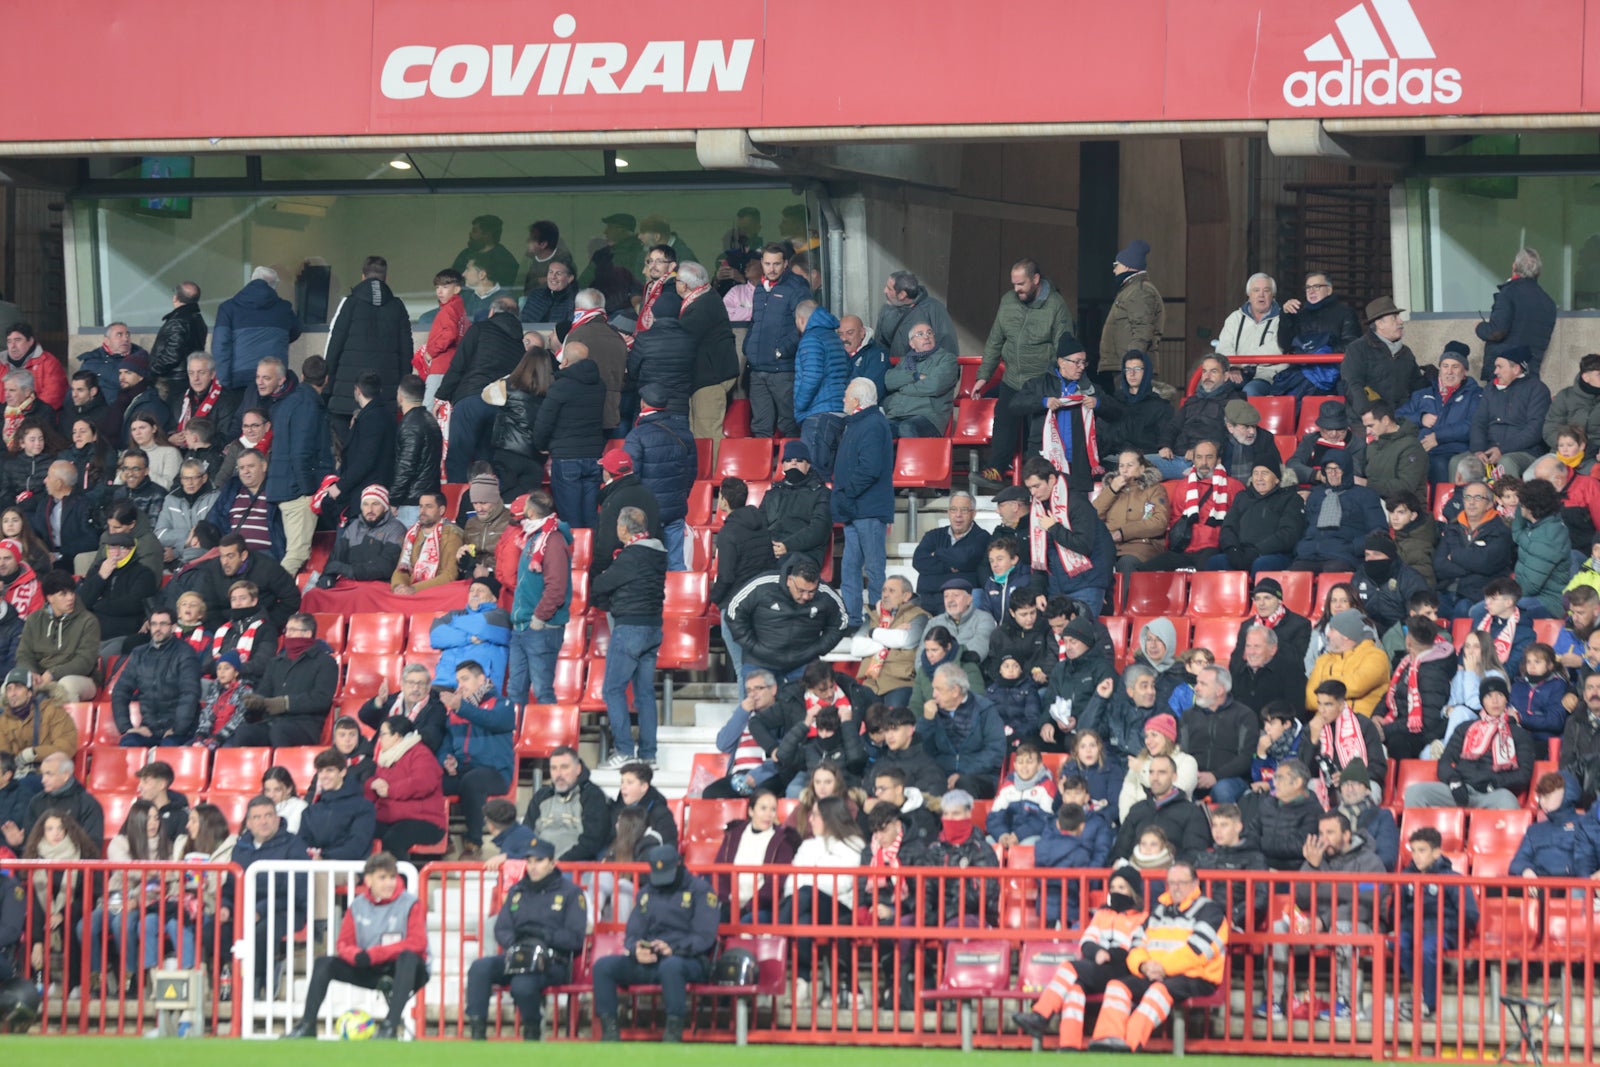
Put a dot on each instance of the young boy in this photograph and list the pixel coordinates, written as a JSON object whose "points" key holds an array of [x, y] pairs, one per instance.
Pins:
{"points": [[1442, 916], [1415, 533], [356, 750], [1281, 736], [1009, 579], [1023, 635], [1068, 846], [444, 333], [1229, 852], [1021, 811], [1016, 700], [384, 935], [508, 835]]}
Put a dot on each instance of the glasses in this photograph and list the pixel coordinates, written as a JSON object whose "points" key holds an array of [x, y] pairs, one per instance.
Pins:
{"points": [[1076, 362], [1484, 497], [255, 425], [134, 469], [1317, 288]]}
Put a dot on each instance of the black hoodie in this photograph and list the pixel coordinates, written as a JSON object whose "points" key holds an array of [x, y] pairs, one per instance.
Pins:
{"points": [[371, 332], [1135, 419], [744, 550]]}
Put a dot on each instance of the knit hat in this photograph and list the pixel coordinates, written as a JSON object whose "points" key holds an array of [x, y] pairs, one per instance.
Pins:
{"points": [[378, 491], [1131, 875], [137, 362], [796, 450], [1080, 629], [484, 489], [1334, 416], [13, 549], [1268, 585], [488, 583], [231, 658], [1378, 541], [1456, 350], [519, 507], [1493, 683], [18, 676], [1165, 725], [1521, 355], [1355, 772], [1241, 413], [616, 462], [119, 540], [1133, 257], [1348, 623]]}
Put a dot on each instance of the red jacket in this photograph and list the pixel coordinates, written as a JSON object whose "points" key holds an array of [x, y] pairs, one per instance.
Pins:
{"points": [[443, 336], [49, 378], [415, 786], [416, 939], [1583, 491]]}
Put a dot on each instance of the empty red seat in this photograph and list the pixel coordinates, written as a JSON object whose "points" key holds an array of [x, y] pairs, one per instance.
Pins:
{"points": [[702, 555], [114, 808], [191, 767], [1440, 495], [1411, 772], [239, 770], [702, 503], [568, 682], [922, 463], [82, 716], [1117, 625], [1286, 443], [364, 671], [593, 699], [748, 458], [1547, 630], [114, 770], [1450, 822], [736, 421], [418, 629], [1496, 831], [453, 492], [582, 548], [969, 378], [331, 628], [300, 762], [974, 423], [1157, 593], [703, 450], [688, 593], [1218, 635], [547, 727], [1223, 594], [1277, 413], [234, 805], [575, 638], [376, 632], [705, 820], [685, 644]]}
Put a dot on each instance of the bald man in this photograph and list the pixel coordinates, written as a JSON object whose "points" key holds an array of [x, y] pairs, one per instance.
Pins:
{"points": [[867, 357]]}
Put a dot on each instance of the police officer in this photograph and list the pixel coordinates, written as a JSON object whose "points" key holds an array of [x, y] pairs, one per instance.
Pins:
{"points": [[669, 940], [544, 907], [13, 916]]}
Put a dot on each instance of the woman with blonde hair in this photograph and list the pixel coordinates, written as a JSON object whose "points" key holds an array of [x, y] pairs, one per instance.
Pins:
{"points": [[1133, 505]]}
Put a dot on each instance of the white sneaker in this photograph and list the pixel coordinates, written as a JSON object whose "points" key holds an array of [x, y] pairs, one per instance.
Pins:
{"points": [[616, 761], [802, 992]]}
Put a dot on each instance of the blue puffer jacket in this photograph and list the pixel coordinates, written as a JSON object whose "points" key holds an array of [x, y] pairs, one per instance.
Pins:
{"points": [[483, 735], [664, 457], [301, 453], [772, 340], [256, 322], [863, 485], [1539, 708], [1562, 845], [1454, 428], [821, 367], [481, 634], [980, 753]]}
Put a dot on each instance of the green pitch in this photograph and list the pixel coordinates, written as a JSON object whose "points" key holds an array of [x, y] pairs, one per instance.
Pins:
{"points": [[133, 1052]]}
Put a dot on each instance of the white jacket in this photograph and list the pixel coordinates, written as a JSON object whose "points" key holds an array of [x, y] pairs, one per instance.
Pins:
{"points": [[826, 852]]}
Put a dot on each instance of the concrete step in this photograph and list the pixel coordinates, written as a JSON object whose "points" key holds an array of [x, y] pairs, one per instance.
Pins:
{"points": [[714, 715]]}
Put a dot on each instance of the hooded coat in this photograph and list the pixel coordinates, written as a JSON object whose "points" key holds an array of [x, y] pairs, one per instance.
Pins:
{"points": [[252, 324], [1137, 420], [370, 333]]}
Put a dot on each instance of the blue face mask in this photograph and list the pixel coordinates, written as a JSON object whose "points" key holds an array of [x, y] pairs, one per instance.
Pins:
{"points": [[1001, 576]]}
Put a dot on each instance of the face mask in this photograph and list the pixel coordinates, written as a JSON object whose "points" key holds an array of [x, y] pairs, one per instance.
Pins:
{"points": [[294, 647], [241, 614], [1380, 570], [794, 475], [1535, 676], [1122, 902]]}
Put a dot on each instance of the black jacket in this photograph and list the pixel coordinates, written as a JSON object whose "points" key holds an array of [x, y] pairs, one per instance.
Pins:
{"points": [[1032, 648], [279, 594], [716, 352], [1433, 690], [1479, 775], [569, 422], [1283, 678], [634, 587], [798, 514], [1280, 830], [1241, 857], [119, 601], [1223, 741], [368, 453], [595, 816], [78, 530], [341, 823], [744, 550], [657, 816], [1368, 364], [922, 771], [432, 720], [1294, 637], [371, 332], [1466, 562], [1134, 420], [74, 800], [1330, 326], [1183, 820], [1523, 314], [799, 752], [780, 634], [182, 333], [367, 553], [513, 424], [1199, 418], [626, 491], [770, 727], [489, 351], [166, 683], [1386, 602], [954, 898], [550, 910], [419, 446], [1262, 525], [309, 682], [937, 560], [664, 357]]}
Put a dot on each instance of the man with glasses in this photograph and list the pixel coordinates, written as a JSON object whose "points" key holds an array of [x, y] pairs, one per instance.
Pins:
{"points": [[784, 621], [292, 701], [1319, 323], [748, 762], [189, 502], [136, 488], [661, 299], [953, 551], [1473, 551], [1062, 407], [242, 506]]}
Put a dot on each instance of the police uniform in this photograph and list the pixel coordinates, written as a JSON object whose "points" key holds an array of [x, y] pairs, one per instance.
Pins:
{"points": [[676, 908], [13, 917], [551, 910]]}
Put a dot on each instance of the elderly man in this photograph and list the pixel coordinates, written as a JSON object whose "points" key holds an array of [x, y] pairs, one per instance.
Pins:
{"points": [[1331, 434], [770, 344], [1263, 524], [1028, 328], [1138, 313], [863, 494], [784, 621], [821, 372], [118, 345], [65, 518], [1508, 427], [1379, 365], [1523, 314], [1078, 676], [867, 357], [604, 347], [1067, 541], [416, 701], [1180, 952], [1396, 461], [429, 549], [291, 703], [971, 626], [1252, 330], [1246, 445], [921, 388], [21, 405], [480, 631], [889, 654], [252, 324], [1579, 497], [205, 398], [953, 551], [1322, 323], [1264, 670], [963, 732], [59, 791], [23, 352], [1220, 733], [1580, 745], [189, 502], [1444, 409], [748, 760], [907, 303], [1015, 507], [716, 367], [164, 677], [1202, 417]]}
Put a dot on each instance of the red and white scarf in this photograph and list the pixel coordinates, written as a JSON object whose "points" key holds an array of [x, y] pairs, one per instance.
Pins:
{"points": [[264, 446], [1407, 668], [1061, 644], [1195, 492], [24, 593], [398, 707], [694, 294], [247, 639], [652, 293], [814, 704], [1271, 621], [1505, 637], [14, 419], [541, 540], [195, 636], [428, 560], [203, 410], [1054, 448], [587, 315], [885, 619], [1339, 742], [1491, 736], [888, 858], [320, 497], [1074, 563]]}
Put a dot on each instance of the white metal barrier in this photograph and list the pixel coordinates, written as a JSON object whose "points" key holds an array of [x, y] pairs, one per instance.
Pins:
{"points": [[271, 946]]}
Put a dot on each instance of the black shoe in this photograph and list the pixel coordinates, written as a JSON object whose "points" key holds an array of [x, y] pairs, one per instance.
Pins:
{"points": [[1032, 1023], [306, 1028], [387, 1031], [1110, 1044], [532, 1029], [477, 1029], [609, 1031], [673, 1034]]}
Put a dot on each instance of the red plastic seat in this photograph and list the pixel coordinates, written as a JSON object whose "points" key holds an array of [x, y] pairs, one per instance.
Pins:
{"points": [[1571, 929], [969, 378], [1508, 927], [1157, 593], [1310, 406], [114, 770], [1117, 626], [300, 762], [1175, 488], [582, 548], [580, 594], [331, 628], [705, 820], [973, 968], [1496, 831], [922, 463], [105, 727], [1220, 594], [1286, 443], [191, 767], [1411, 772], [575, 638], [1217, 635], [234, 805], [239, 770], [702, 553], [748, 458], [736, 421], [568, 682], [1547, 630], [593, 699], [363, 671], [1298, 589], [547, 727], [1491, 864], [702, 504], [114, 808], [1277, 413], [376, 632], [685, 644], [688, 593], [82, 716], [1440, 494], [1326, 582], [702, 450], [453, 492], [1450, 822], [441, 846], [974, 423]]}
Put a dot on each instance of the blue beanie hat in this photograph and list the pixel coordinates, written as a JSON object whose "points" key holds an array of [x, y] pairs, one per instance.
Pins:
{"points": [[1133, 256], [231, 658]]}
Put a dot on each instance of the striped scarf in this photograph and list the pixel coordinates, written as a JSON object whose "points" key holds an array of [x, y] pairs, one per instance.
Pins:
{"points": [[888, 858], [1491, 736], [1408, 668], [1073, 563], [1339, 742], [1195, 492], [1505, 637], [247, 639]]}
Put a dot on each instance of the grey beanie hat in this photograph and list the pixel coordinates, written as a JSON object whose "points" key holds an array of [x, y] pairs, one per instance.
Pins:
{"points": [[1349, 624]]}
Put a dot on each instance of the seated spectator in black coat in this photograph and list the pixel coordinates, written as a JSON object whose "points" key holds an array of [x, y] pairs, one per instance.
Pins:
{"points": [[1264, 671], [291, 704], [356, 750], [416, 701], [235, 561], [1280, 823], [1230, 851], [634, 792], [1384, 583], [1220, 733], [163, 676], [116, 593], [1181, 819], [954, 551], [1486, 764], [904, 751], [340, 822]]}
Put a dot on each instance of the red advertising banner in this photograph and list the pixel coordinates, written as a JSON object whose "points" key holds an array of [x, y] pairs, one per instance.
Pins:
{"points": [[308, 68]]}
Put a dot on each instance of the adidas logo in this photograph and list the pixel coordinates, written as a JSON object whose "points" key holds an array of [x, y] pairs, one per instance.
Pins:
{"points": [[1370, 71]]}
